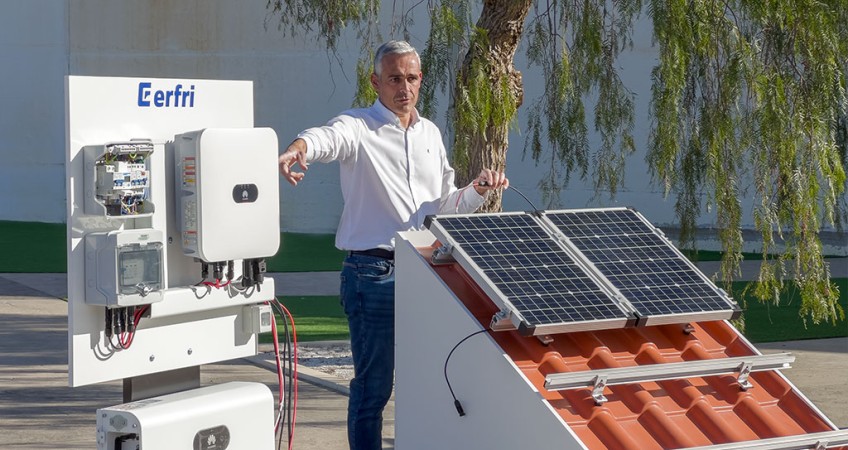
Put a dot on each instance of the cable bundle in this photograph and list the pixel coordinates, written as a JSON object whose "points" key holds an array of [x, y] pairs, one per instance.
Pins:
{"points": [[286, 374]]}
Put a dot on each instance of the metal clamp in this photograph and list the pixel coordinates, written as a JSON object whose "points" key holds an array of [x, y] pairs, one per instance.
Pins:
{"points": [[600, 382], [143, 289], [744, 371], [442, 255], [501, 321]]}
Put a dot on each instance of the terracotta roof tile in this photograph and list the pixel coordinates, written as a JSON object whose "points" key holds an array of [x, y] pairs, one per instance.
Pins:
{"points": [[679, 413]]}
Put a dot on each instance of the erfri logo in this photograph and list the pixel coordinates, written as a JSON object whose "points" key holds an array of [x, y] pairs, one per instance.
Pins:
{"points": [[178, 97]]}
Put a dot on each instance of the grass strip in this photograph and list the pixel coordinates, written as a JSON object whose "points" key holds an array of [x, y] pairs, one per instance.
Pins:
{"points": [[300, 252], [317, 318], [765, 322], [35, 247]]}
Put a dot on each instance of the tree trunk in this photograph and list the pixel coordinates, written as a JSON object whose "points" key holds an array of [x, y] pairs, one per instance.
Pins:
{"points": [[503, 21]]}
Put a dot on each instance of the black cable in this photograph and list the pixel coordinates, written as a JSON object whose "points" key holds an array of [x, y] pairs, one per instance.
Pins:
{"points": [[288, 385], [218, 271], [278, 431], [230, 270], [486, 183], [525, 198], [286, 409], [204, 271], [290, 393], [110, 323], [455, 401]]}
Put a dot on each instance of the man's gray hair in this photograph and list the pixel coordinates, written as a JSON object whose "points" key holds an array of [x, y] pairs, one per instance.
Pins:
{"points": [[392, 48]]}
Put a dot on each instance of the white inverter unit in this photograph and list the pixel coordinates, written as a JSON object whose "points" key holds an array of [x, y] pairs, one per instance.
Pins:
{"points": [[227, 188]]}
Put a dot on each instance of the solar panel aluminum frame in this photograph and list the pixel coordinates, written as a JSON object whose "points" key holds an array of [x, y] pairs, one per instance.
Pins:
{"points": [[733, 311], [501, 300]]}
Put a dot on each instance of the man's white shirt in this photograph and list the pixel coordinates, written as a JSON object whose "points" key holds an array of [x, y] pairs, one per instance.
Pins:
{"points": [[391, 178]]}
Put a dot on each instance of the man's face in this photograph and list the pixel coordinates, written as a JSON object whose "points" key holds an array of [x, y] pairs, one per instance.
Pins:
{"points": [[398, 83]]}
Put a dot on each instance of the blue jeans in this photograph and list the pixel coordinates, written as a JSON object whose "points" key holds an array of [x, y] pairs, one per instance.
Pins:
{"points": [[368, 298]]}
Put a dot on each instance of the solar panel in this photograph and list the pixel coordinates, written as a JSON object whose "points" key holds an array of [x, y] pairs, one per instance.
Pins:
{"points": [[642, 265], [525, 269]]}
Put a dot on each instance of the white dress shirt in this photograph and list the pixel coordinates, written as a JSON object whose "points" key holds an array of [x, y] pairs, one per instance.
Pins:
{"points": [[391, 177]]}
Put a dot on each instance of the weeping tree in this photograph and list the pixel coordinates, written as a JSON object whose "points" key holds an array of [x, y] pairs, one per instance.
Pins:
{"points": [[748, 99]]}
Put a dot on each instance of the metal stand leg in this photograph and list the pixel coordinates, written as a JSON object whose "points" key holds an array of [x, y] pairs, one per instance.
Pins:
{"points": [[156, 384]]}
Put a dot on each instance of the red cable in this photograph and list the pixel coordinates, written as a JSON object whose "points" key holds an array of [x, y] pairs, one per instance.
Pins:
{"points": [[459, 197], [279, 367], [217, 284], [294, 370], [130, 335]]}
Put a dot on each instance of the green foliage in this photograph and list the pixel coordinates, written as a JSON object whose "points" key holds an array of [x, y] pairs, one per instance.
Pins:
{"points": [[448, 27], [748, 100], [326, 18], [575, 45], [755, 91], [365, 93]]}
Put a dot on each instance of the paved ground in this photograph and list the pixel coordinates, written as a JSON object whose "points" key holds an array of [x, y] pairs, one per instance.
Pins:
{"points": [[39, 411]]}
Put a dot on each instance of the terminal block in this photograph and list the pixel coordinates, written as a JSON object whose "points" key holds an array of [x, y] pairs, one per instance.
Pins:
{"points": [[119, 182]]}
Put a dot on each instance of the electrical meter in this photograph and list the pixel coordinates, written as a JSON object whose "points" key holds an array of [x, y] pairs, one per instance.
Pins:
{"points": [[124, 267], [118, 179], [228, 193]]}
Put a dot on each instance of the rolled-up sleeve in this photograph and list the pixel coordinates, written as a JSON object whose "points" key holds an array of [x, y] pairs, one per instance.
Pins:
{"points": [[464, 200]]}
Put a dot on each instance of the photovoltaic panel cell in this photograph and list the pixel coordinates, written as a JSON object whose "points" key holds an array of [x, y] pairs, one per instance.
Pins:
{"points": [[537, 277], [642, 265]]}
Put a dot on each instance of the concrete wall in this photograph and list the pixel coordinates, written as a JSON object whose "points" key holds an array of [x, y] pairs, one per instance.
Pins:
{"points": [[297, 85]]}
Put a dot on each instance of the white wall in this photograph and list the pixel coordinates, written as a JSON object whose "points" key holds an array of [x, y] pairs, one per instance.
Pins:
{"points": [[297, 85], [33, 51]]}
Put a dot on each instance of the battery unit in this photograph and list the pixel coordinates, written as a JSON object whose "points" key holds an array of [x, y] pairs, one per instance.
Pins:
{"points": [[233, 416], [228, 199]]}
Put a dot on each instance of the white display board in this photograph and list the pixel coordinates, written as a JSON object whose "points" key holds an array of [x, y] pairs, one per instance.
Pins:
{"points": [[191, 325]]}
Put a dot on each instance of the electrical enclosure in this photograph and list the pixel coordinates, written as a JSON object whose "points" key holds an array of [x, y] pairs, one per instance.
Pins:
{"points": [[228, 193], [125, 266], [118, 179]]}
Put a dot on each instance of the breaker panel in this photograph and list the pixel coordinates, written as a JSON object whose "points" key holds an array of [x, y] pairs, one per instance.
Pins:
{"points": [[118, 179]]}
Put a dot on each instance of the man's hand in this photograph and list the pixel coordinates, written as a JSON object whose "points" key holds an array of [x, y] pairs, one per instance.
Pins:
{"points": [[296, 153], [489, 180]]}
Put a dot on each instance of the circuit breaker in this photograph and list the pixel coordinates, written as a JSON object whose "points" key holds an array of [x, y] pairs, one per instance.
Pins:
{"points": [[125, 267], [228, 201], [118, 179]]}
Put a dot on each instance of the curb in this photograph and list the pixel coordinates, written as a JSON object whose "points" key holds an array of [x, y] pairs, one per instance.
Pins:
{"points": [[265, 360]]}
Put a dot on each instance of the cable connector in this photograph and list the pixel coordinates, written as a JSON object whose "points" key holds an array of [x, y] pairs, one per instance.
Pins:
{"points": [[456, 403], [259, 269], [459, 408]]}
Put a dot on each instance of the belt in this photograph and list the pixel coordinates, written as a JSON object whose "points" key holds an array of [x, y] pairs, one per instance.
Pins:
{"points": [[375, 252]]}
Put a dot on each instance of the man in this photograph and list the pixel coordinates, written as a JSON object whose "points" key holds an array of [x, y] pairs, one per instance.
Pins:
{"points": [[394, 172]]}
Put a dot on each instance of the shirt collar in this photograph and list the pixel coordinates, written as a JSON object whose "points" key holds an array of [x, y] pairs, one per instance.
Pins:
{"points": [[390, 117]]}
